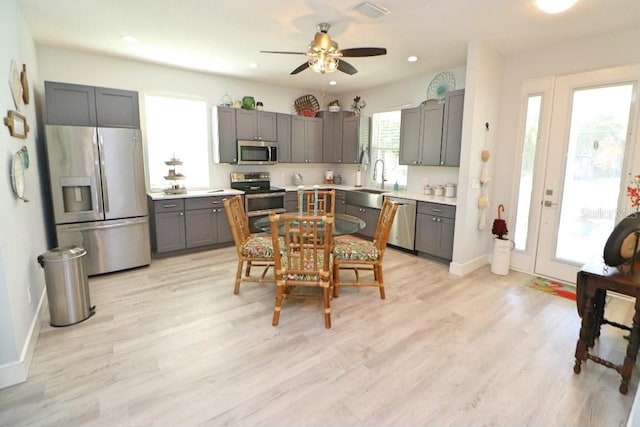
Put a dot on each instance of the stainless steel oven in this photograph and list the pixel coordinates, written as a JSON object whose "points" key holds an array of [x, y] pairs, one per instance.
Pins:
{"points": [[260, 198]]}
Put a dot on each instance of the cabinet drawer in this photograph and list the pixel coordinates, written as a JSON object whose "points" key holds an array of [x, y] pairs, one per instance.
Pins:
{"points": [[204, 202], [438, 209], [170, 205], [341, 195]]}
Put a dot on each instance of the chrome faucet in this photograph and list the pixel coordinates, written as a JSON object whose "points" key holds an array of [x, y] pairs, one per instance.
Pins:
{"points": [[375, 175]]}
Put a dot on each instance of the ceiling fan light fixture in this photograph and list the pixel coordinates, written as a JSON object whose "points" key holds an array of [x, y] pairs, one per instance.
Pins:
{"points": [[555, 6], [323, 64]]}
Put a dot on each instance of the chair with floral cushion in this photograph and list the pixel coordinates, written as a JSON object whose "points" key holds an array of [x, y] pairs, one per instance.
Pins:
{"points": [[254, 250], [302, 258], [353, 254], [326, 201]]}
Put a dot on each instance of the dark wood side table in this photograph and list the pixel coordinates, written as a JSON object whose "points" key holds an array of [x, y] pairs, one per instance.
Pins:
{"points": [[593, 282]]}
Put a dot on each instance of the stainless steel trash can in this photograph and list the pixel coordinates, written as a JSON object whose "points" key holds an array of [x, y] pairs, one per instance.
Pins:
{"points": [[67, 285]]}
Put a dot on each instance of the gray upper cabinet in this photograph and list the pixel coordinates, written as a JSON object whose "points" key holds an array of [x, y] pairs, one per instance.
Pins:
{"points": [[306, 139], [343, 136], [430, 135], [283, 124], [452, 128], [224, 134], [332, 136], [79, 105], [256, 125]]}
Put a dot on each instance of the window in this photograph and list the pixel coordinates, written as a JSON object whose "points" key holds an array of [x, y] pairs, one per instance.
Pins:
{"points": [[385, 145], [525, 190], [177, 127]]}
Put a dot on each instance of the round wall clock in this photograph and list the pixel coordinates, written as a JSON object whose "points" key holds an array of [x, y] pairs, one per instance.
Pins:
{"points": [[17, 176]]}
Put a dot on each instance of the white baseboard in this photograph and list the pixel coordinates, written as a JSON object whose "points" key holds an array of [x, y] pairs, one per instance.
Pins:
{"points": [[468, 267], [17, 372]]}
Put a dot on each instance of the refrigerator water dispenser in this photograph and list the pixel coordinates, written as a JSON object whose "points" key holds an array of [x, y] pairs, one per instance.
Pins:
{"points": [[76, 194]]}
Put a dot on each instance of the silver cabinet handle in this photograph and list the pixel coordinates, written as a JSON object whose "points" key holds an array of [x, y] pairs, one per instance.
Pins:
{"points": [[436, 210], [169, 206], [181, 213]]}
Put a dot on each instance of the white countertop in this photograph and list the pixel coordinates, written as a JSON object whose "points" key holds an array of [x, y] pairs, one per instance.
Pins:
{"points": [[400, 194], [230, 192], [195, 193]]}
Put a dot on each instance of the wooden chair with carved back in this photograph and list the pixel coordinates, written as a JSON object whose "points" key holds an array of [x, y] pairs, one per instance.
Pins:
{"points": [[252, 249], [302, 258], [354, 254], [326, 201]]}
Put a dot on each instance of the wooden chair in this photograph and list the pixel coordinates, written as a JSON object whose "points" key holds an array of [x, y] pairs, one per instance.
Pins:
{"points": [[254, 250], [326, 201], [352, 254], [302, 258]]}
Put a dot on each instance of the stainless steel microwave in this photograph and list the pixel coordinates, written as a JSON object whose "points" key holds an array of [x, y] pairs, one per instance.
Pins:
{"points": [[257, 152]]}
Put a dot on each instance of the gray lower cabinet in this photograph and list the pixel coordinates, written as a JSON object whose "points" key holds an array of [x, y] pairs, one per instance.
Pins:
{"points": [[80, 105], [341, 201], [178, 224], [435, 224], [166, 220], [291, 201], [306, 139], [368, 215]]}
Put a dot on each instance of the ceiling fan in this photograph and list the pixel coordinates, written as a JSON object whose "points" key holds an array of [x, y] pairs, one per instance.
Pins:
{"points": [[325, 57]]}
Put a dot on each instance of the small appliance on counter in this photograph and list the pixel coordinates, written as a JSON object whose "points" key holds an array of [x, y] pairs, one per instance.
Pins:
{"points": [[328, 177], [297, 179]]}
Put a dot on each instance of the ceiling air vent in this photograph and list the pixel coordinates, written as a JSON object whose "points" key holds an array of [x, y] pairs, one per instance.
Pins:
{"points": [[372, 10]]}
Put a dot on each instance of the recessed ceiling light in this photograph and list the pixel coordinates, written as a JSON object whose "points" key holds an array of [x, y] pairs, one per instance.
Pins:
{"points": [[129, 39], [333, 83], [253, 65], [412, 58], [555, 6]]}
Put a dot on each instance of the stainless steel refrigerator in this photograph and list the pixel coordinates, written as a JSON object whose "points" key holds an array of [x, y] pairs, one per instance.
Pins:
{"points": [[98, 194]]}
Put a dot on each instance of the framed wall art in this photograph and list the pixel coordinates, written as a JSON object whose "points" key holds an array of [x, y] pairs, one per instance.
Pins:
{"points": [[17, 124]]}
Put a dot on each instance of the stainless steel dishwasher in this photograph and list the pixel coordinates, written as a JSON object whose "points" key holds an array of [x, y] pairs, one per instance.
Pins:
{"points": [[403, 229]]}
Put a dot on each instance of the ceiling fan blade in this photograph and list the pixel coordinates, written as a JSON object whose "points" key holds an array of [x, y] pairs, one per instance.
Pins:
{"points": [[283, 52], [363, 51], [345, 67], [303, 67]]}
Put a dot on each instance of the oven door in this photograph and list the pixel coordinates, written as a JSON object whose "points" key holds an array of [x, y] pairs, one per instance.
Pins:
{"points": [[260, 205]]}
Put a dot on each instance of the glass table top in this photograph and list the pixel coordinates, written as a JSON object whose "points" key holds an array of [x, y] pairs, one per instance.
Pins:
{"points": [[343, 224]]}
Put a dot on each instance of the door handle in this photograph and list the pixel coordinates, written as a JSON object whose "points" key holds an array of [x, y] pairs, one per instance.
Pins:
{"points": [[548, 204]]}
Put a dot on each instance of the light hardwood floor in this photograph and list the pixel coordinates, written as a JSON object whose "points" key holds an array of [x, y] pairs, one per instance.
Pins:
{"points": [[171, 345]]}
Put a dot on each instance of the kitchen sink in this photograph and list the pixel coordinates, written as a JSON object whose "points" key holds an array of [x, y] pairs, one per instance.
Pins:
{"points": [[365, 197], [371, 191]]}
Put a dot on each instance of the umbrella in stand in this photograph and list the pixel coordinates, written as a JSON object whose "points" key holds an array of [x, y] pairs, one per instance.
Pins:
{"points": [[499, 225]]}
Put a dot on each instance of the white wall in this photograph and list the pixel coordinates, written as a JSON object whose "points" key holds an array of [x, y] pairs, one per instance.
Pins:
{"points": [[22, 224]]}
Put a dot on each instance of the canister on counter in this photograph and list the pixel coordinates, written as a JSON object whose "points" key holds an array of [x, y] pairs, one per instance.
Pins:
{"points": [[450, 190]]}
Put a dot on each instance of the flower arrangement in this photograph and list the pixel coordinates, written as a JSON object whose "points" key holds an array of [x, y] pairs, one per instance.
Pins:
{"points": [[633, 191], [357, 105]]}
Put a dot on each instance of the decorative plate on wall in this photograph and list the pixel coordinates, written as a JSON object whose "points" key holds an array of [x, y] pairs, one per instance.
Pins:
{"points": [[441, 84]]}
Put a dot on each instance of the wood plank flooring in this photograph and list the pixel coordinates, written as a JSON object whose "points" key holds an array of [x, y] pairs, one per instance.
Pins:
{"points": [[171, 345]]}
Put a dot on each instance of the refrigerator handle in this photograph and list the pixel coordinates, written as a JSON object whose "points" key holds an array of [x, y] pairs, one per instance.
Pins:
{"points": [[105, 186], [93, 226], [96, 191]]}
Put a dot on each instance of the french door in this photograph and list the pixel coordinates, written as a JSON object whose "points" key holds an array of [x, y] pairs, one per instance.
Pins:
{"points": [[589, 155]]}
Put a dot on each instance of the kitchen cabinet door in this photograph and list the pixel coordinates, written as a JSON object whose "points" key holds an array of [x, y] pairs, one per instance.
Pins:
{"points": [[410, 136], [283, 124], [256, 125], [70, 104], [332, 136], [351, 138], [225, 143], [306, 139], [225, 235], [435, 224], [117, 108], [368, 215], [169, 231], [201, 227], [452, 128], [430, 134]]}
